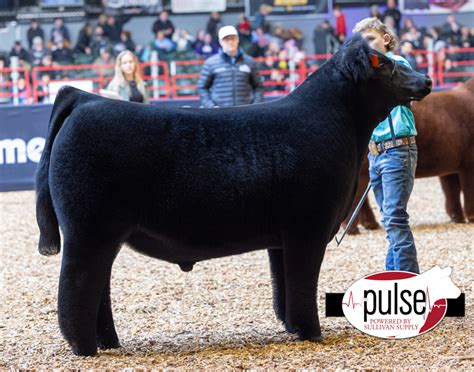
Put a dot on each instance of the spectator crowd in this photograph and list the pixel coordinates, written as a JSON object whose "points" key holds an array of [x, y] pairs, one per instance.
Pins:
{"points": [[99, 42]]}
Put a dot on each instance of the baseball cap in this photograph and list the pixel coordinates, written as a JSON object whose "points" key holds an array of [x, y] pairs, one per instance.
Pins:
{"points": [[227, 31]]}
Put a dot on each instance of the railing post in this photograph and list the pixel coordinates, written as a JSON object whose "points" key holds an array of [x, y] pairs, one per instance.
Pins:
{"points": [[14, 77], [155, 74], [174, 93]]}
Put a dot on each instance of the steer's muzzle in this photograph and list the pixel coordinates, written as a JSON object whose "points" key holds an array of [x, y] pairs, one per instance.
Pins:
{"points": [[420, 87]]}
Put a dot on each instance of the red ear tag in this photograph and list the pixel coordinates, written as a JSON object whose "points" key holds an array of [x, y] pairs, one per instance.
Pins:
{"points": [[374, 60]]}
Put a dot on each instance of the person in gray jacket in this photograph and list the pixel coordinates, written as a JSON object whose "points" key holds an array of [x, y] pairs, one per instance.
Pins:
{"points": [[229, 78]]}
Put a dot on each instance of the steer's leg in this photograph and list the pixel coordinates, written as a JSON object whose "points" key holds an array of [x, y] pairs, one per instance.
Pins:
{"points": [[302, 260], [467, 185], [452, 192], [84, 274], [106, 335], [278, 281]]}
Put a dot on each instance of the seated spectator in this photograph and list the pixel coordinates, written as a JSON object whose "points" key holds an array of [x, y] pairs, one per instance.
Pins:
{"points": [[213, 25], [106, 59], [413, 36], [406, 51], [43, 89], [206, 47], [467, 39], [375, 12], [279, 35], [395, 15], [273, 49], [162, 44], [183, 40], [125, 43], [243, 27], [34, 30], [99, 41], [62, 55], [38, 51], [407, 25], [24, 93], [260, 41], [297, 36], [83, 49], [279, 80], [163, 24], [438, 42], [47, 61], [20, 52], [59, 30]]}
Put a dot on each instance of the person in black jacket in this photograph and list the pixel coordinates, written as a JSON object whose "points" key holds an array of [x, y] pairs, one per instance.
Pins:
{"points": [[34, 30], [163, 24], [229, 78]]}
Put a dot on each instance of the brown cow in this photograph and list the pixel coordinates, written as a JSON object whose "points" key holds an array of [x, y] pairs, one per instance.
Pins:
{"points": [[445, 125]]}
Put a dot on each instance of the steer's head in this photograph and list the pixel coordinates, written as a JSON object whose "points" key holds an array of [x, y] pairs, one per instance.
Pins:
{"points": [[380, 82]]}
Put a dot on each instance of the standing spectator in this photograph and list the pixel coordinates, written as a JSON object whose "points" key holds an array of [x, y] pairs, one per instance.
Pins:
{"points": [[59, 30], [407, 25], [231, 77], [393, 12], [324, 40], [113, 28], [20, 52], [207, 47], [340, 23], [34, 30], [214, 24], [127, 82], [163, 24], [24, 93], [83, 48], [38, 51], [375, 12], [260, 17]]}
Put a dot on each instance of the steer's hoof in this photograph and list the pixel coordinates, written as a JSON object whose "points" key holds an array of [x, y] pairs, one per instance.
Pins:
{"points": [[104, 345], [371, 225], [457, 219], [310, 336], [84, 350]]}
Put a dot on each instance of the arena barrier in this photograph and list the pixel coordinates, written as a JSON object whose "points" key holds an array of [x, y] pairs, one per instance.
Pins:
{"points": [[23, 131], [178, 79]]}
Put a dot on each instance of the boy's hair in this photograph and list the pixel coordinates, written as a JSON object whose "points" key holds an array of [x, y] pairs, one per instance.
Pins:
{"points": [[375, 24]]}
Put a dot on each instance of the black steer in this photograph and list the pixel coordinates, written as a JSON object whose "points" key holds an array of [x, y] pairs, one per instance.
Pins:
{"points": [[186, 185]]}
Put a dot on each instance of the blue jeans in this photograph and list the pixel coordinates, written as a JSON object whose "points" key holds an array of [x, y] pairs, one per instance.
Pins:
{"points": [[392, 175]]}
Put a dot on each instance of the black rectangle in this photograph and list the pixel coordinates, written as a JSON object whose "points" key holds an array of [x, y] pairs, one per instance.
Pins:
{"points": [[456, 306]]}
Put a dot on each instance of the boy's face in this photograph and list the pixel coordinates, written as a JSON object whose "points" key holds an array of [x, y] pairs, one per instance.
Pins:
{"points": [[376, 40]]}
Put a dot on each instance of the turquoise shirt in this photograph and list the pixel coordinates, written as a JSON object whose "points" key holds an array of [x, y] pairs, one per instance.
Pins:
{"points": [[402, 117]]}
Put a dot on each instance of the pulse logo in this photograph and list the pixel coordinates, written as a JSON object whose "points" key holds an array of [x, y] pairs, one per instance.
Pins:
{"points": [[399, 304]]}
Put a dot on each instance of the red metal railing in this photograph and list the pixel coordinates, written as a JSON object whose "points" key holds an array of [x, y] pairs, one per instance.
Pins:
{"points": [[454, 65], [178, 80]]}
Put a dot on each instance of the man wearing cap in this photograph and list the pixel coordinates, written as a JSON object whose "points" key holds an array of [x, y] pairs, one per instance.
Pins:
{"points": [[229, 78]]}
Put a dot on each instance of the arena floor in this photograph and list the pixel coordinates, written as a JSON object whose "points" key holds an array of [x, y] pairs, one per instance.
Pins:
{"points": [[220, 315]]}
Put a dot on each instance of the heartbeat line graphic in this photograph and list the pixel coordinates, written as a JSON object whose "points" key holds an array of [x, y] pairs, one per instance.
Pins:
{"points": [[428, 303], [351, 302]]}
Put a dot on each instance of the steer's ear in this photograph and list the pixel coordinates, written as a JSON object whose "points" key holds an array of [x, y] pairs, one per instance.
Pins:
{"points": [[355, 60]]}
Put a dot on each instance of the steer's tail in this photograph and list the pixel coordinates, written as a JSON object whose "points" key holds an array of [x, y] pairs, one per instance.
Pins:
{"points": [[50, 241]]}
